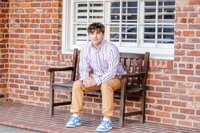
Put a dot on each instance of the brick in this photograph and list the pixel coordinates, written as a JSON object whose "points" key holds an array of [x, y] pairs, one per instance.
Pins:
{"points": [[33, 26], [196, 118], [163, 114], [197, 86], [161, 77], [194, 79], [154, 119], [186, 72], [178, 104], [154, 82], [186, 98], [187, 111], [169, 121], [198, 112], [180, 15], [196, 124], [185, 85], [194, 2], [25, 97], [42, 99], [178, 78], [34, 88], [169, 83], [179, 90], [183, 20], [170, 109], [185, 123], [163, 102], [41, 94], [156, 107], [189, 66], [150, 112], [155, 94], [188, 46], [170, 71], [194, 40], [149, 100], [178, 116], [163, 89]]}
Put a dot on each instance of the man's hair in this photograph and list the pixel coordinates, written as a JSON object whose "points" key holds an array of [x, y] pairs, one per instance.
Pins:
{"points": [[96, 27]]}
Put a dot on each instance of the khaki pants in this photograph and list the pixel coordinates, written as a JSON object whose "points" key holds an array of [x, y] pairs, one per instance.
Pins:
{"points": [[107, 89]]}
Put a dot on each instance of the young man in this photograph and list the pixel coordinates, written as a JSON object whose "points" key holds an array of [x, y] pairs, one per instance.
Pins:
{"points": [[103, 59]]}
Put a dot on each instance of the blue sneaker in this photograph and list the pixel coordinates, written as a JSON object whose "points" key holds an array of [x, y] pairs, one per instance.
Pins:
{"points": [[73, 121], [104, 126]]}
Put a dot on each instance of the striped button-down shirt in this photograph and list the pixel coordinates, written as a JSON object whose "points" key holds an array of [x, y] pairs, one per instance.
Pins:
{"points": [[104, 62]]}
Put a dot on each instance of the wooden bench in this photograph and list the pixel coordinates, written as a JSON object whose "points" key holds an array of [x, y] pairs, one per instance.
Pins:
{"points": [[133, 84]]}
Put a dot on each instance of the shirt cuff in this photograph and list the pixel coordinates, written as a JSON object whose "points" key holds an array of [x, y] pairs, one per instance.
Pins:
{"points": [[98, 81]]}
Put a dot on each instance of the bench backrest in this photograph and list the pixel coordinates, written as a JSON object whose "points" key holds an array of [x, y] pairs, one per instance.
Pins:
{"points": [[132, 63]]}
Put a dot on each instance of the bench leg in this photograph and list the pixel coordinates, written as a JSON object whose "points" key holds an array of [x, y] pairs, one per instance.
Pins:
{"points": [[121, 117], [142, 117], [51, 102], [122, 106]]}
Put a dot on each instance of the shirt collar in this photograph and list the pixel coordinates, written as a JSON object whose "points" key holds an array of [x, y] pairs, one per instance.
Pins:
{"points": [[102, 43]]}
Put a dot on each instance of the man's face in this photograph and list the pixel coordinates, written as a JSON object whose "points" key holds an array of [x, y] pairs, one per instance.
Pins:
{"points": [[96, 37]]}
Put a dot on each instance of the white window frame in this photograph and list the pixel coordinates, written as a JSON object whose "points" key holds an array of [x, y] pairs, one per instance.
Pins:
{"points": [[156, 52]]}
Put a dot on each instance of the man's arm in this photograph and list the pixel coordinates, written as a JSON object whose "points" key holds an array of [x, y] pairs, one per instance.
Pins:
{"points": [[84, 67]]}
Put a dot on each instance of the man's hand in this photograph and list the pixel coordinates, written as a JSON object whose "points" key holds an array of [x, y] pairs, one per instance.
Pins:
{"points": [[89, 82]]}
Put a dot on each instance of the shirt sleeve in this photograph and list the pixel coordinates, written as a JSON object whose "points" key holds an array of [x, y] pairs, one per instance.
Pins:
{"points": [[113, 62], [84, 67]]}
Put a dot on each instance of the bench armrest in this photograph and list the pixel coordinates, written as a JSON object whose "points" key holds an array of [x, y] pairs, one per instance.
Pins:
{"points": [[60, 69], [133, 75]]}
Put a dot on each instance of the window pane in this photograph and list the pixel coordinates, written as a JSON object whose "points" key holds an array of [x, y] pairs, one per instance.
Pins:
{"points": [[163, 16], [150, 12], [166, 34], [129, 33], [115, 12], [115, 4], [114, 33], [126, 14], [95, 10], [166, 19]]}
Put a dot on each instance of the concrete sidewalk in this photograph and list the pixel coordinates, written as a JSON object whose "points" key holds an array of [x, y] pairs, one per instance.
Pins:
{"points": [[7, 129]]}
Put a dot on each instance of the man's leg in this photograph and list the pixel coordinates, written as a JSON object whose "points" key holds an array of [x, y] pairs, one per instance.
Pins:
{"points": [[78, 91], [77, 98], [76, 105], [76, 108], [107, 89]]}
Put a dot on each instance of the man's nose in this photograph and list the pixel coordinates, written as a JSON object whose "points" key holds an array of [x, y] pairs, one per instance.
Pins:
{"points": [[95, 34]]}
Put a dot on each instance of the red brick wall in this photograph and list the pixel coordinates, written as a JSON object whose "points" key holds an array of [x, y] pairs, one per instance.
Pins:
{"points": [[173, 95], [3, 47], [35, 44]]}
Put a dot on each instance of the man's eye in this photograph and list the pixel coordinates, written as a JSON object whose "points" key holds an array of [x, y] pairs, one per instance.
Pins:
{"points": [[92, 31]]}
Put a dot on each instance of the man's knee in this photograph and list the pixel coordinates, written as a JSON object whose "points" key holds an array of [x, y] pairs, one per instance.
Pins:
{"points": [[77, 84], [105, 86]]}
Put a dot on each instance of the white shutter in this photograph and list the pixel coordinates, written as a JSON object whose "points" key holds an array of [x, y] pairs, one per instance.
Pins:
{"points": [[86, 12]]}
